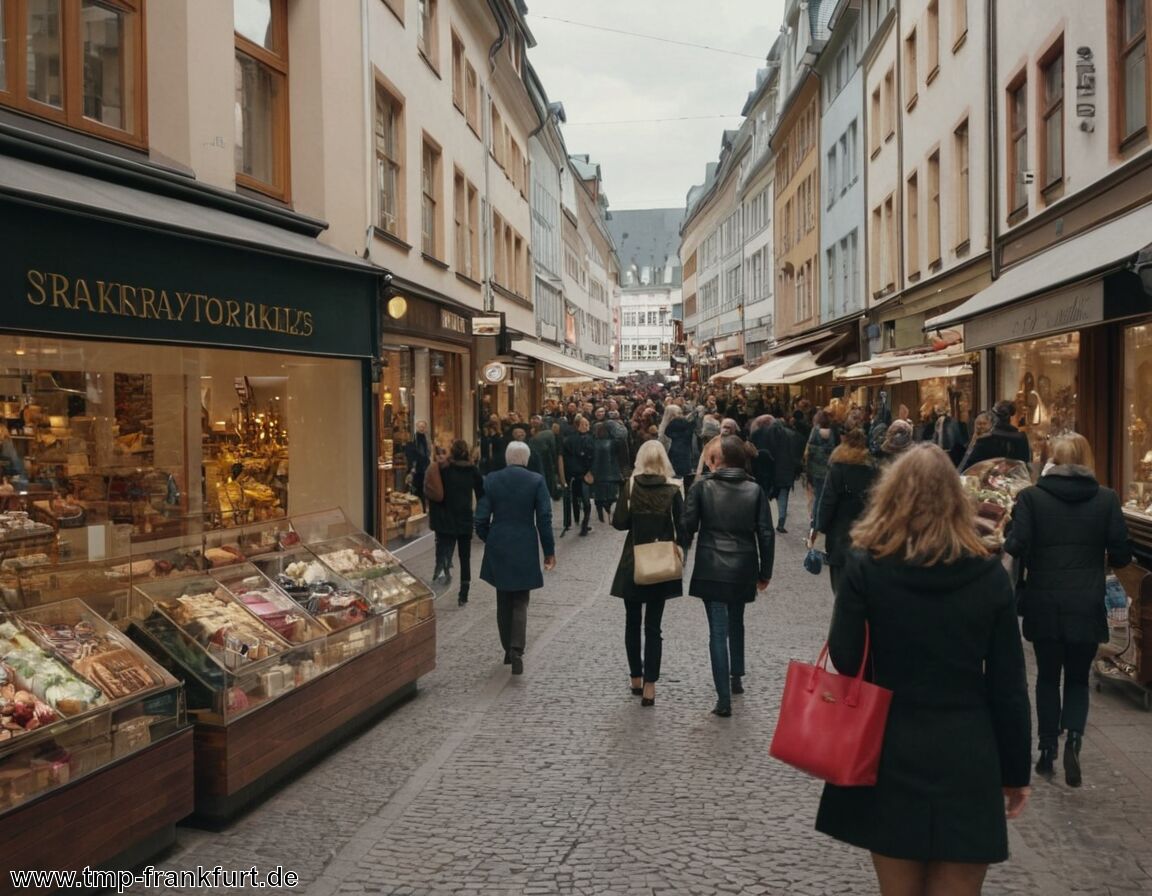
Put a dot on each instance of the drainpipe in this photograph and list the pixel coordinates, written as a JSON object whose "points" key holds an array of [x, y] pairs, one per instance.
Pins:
{"points": [[369, 114], [992, 73], [502, 24]]}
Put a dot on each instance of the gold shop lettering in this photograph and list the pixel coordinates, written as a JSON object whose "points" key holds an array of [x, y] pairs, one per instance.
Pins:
{"points": [[52, 290]]}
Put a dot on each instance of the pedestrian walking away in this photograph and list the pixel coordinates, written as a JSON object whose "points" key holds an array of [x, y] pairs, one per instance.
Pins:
{"points": [[651, 508], [1061, 530], [514, 520], [851, 474], [940, 613], [609, 458], [734, 557], [576, 467], [451, 517]]}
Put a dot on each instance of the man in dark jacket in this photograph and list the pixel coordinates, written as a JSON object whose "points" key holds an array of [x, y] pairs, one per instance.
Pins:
{"points": [[451, 518], [781, 441], [1004, 440], [512, 517], [734, 557]]}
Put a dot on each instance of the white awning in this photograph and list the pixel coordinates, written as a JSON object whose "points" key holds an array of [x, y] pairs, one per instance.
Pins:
{"points": [[807, 374], [557, 358], [731, 373], [912, 373], [1101, 249], [776, 371]]}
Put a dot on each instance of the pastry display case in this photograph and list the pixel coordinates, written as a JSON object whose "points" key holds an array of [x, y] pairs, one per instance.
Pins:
{"points": [[75, 695]]}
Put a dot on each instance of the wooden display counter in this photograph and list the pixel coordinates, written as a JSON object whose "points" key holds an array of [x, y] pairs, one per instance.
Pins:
{"points": [[105, 819], [236, 764]]}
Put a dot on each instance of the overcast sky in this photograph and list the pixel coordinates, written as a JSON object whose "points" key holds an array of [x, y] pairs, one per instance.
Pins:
{"points": [[601, 76]]}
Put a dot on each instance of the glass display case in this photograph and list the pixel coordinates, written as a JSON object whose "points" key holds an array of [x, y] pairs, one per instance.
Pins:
{"points": [[75, 695]]}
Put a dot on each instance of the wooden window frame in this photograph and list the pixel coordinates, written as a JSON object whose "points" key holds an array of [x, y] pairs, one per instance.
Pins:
{"points": [[427, 34], [430, 149], [458, 84], [1126, 140], [1048, 111], [876, 126], [385, 91], [397, 9], [471, 97], [892, 242], [890, 104], [497, 149], [278, 63], [876, 251], [70, 114], [911, 68], [959, 24], [935, 211], [1014, 131], [912, 231], [932, 41], [962, 149]]}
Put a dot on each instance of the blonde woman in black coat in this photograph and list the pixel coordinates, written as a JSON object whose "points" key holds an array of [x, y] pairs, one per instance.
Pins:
{"points": [[733, 560], [941, 614], [650, 508], [1062, 529]]}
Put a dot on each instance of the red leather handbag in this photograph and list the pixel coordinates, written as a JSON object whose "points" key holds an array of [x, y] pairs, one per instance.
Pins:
{"points": [[832, 726]]}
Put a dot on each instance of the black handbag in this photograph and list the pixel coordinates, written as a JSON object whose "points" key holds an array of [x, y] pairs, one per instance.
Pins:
{"points": [[814, 561]]}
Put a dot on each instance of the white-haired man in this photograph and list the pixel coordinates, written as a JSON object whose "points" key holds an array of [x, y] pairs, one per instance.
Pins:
{"points": [[513, 516]]}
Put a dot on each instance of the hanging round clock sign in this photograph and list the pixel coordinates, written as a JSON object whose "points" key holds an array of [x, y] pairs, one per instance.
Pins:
{"points": [[495, 372]]}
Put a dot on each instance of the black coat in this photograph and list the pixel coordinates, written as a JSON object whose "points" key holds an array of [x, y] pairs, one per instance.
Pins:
{"points": [[650, 509], [609, 458], [577, 453], [679, 432], [453, 515], [850, 478], [945, 641], [1003, 440], [737, 543], [786, 447], [1061, 529]]}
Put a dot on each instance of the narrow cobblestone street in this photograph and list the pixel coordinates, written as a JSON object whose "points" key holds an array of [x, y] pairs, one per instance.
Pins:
{"points": [[558, 782]]}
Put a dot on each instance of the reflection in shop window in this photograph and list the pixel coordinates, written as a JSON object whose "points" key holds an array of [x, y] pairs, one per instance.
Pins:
{"points": [[1137, 470], [1041, 377]]}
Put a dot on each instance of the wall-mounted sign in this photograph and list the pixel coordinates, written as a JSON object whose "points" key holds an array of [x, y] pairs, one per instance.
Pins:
{"points": [[487, 326], [453, 322], [397, 307], [495, 372], [1086, 89], [1068, 309]]}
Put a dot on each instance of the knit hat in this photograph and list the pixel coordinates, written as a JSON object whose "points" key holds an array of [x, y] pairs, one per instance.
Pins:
{"points": [[898, 437]]}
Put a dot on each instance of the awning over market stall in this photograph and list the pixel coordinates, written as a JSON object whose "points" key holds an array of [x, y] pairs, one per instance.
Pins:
{"points": [[775, 372], [732, 373], [557, 358]]}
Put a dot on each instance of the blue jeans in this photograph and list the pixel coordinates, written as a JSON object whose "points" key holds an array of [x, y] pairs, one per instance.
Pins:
{"points": [[782, 504], [817, 493], [725, 645]]}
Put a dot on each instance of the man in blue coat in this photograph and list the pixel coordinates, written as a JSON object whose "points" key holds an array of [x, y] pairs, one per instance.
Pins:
{"points": [[513, 513]]}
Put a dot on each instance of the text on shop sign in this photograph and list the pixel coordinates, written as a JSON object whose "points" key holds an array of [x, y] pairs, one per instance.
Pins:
{"points": [[1063, 310], [1085, 89], [54, 290]]}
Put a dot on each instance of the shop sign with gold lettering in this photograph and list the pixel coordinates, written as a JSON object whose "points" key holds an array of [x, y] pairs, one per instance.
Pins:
{"points": [[69, 275], [1067, 309], [454, 323]]}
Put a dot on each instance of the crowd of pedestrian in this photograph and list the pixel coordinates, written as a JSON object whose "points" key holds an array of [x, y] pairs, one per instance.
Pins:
{"points": [[908, 568]]}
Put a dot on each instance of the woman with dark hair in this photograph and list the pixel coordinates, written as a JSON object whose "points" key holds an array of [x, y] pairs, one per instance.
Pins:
{"points": [[1062, 530], [609, 458], [851, 473], [452, 518], [1003, 440], [822, 441], [734, 558], [954, 765]]}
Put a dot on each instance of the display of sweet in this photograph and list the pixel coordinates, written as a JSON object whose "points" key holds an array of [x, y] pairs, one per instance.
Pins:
{"points": [[20, 710], [29, 668], [17, 523], [359, 562], [218, 622], [268, 602]]}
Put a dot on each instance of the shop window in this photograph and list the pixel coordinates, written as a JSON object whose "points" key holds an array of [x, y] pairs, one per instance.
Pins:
{"points": [[1133, 69], [1137, 471], [1041, 377], [262, 95], [1018, 147], [1052, 118], [79, 63], [389, 156], [119, 443]]}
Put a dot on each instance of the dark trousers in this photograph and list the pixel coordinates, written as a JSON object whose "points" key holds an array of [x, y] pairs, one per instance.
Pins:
{"points": [[1054, 658], [577, 501], [446, 542], [512, 620], [725, 644], [647, 615]]}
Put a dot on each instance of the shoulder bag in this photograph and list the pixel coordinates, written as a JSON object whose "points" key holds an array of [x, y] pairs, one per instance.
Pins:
{"points": [[434, 483], [832, 726], [657, 561]]}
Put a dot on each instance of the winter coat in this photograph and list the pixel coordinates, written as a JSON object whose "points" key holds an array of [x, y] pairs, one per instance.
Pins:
{"points": [[609, 457], [818, 452], [945, 642], [546, 447], [453, 515], [1061, 529], [577, 452], [784, 444], [514, 520], [679, 432], [851, 475], [650, 509], [737, 543], [1003, 440], [492, 447]]}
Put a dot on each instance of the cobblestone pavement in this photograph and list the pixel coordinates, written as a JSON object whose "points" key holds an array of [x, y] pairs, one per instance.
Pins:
{"points": [[559, 782]]}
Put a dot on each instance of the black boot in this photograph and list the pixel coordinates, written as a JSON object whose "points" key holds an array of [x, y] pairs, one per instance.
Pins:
{"points": [[600, 512], [1072, 776], [462, 598], [1046, 764]]}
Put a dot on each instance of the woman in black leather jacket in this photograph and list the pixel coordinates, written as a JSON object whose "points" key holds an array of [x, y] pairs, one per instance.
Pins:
{"points": [[733, 560]]}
